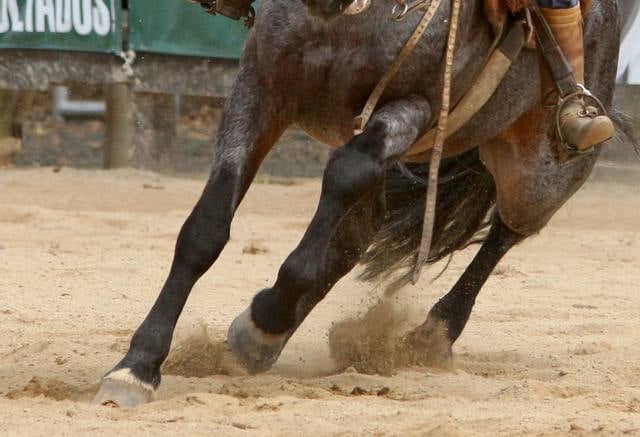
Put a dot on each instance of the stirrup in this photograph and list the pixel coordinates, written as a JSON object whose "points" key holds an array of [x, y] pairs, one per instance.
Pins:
{"points": [[585, 94]]}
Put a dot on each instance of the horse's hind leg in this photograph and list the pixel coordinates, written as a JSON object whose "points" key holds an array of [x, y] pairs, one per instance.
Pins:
{"points": [[348, 213], [251, 123], [432, 340], [531, 185]]}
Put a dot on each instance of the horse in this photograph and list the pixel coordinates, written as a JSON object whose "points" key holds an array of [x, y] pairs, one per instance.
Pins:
{"points": [[309, 64]]}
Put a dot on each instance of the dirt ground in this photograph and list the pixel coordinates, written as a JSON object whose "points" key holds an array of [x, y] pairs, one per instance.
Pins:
{"points": [[552, 347]]}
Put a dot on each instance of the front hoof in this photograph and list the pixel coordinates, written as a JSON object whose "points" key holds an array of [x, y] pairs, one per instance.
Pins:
{"points": [[256, 350], [122, 389], [430, 344]]}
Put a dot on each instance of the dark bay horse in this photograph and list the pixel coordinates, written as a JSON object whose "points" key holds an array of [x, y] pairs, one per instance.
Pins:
{"points": [[307, 64]]}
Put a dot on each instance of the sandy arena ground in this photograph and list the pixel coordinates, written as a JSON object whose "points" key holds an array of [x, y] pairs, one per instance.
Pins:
{"points": [[552, 347]]}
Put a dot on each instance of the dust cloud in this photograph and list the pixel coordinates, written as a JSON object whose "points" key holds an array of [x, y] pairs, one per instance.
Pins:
{"points": [[201, 353], [376, 342]]}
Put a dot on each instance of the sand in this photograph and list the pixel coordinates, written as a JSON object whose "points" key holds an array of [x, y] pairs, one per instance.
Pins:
{"points": [[552, 346]]}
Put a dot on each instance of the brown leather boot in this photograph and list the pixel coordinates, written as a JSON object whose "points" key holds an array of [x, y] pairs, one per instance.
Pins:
{"points": [[581, 126]]}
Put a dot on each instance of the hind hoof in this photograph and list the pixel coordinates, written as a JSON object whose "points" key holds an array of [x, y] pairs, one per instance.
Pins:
{"points": [[255, 350], [431, 344], [117, 392]]}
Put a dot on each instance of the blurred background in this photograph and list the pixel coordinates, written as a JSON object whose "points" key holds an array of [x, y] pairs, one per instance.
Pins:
{"points": [[115, 83]]}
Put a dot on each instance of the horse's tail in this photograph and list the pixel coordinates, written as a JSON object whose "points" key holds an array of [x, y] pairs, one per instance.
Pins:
{"points": [[466, 196], [625, 132]]}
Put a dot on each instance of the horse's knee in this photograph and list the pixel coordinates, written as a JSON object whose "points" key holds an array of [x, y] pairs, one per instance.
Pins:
{"points": [[352, 171]]}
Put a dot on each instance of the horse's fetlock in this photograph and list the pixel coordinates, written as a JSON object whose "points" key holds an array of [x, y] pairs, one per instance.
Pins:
{"points": [[270, 314]]}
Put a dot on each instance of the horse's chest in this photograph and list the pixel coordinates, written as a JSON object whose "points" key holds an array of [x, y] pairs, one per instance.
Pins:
{"points": [[334, 84]]}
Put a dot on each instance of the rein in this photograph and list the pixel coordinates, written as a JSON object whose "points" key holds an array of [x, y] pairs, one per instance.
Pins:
{"points": [[436, 155]]}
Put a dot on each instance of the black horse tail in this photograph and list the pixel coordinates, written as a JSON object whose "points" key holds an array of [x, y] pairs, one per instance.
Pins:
{"points": [[625, 132], [466, 198]]}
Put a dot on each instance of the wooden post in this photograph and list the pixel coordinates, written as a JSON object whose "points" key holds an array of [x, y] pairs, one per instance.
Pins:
{"points": [[7, 104], [9, 145], [118, 136], [23, 105], [154, 131]]}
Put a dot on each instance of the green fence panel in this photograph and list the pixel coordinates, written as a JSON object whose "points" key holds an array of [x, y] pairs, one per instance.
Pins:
{"points": [[76, 25], [182, 28]]}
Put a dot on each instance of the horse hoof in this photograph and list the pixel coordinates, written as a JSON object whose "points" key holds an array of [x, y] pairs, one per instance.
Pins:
{"points": [[117, 392], [430, 344], [255, 350]]}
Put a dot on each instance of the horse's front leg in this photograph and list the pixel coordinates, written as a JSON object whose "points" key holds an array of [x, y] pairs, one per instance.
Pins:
{"points": [[341, 229], [251, 123]]}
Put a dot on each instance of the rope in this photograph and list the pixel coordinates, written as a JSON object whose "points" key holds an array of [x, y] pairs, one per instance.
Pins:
{"points": [[436, 154]]}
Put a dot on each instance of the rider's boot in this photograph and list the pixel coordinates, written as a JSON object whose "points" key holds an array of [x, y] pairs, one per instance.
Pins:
{"points": [[580, 124]]}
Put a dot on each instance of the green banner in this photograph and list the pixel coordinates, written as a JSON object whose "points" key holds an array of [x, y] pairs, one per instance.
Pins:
{"points": [[182, 28], [175, 27], [79, 25]]}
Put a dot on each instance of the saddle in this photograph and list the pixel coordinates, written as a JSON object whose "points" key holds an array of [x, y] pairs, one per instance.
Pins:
{"points": [[498, 11]]}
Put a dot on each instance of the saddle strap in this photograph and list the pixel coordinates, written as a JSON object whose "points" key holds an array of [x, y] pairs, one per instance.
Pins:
{"points": [[441, 131]]}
